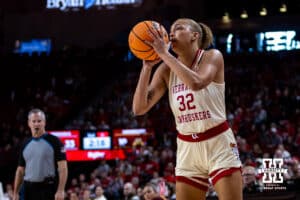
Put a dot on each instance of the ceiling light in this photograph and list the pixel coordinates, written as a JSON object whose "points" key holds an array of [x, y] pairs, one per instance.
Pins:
{"points": [[263, 12], [226, 18], [244, 14], [283, 8]]}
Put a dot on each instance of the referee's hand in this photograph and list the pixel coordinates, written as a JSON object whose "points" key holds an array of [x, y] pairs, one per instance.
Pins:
{"points": [[60, 195], [16, 197]]}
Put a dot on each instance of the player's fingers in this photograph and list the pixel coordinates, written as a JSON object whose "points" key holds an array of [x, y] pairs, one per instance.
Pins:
{"points": [[160, 31], [149, 42], [169, 45], [152, 33]]}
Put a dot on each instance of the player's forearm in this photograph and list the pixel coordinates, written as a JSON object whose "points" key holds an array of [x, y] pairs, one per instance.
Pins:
{"points": [[188, 76], [140, 98]]}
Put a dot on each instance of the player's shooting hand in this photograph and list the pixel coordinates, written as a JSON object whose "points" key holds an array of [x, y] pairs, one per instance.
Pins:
{"points": [[158, 43]]}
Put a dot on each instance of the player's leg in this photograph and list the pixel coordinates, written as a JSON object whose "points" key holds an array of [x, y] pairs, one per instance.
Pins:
{"points": [[192, 179], [225, 166], [185, 191], [230, 187]]}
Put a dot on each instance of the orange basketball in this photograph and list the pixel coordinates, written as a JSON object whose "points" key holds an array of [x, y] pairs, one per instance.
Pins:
{"points": [[138, 34]]}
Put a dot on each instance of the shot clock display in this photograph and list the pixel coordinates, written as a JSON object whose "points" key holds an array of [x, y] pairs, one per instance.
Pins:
{"points": [[96, 140]]}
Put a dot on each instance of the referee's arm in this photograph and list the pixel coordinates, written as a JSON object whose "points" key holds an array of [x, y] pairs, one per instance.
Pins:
{"points": [[18, 181], [63, 176]]}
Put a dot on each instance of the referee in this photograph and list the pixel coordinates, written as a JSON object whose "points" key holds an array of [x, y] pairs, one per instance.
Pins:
{"points": [[42, 166]]}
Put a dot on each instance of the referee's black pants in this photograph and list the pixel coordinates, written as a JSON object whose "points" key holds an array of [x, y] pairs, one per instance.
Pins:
{"points": [[39, 191]]}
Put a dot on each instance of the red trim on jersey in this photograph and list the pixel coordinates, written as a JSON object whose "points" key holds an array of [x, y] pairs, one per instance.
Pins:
{"points": [[193, 183], [197, 137], [215, 175], [196, 56]]}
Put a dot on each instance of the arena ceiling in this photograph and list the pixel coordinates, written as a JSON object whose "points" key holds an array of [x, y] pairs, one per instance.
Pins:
{"points": [[253, 7], [209, 9]]}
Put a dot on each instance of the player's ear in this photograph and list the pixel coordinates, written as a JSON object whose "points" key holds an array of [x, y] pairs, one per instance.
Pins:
{"points": [[195, 36]]}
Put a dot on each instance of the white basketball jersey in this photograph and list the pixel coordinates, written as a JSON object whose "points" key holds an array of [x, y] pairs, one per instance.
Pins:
{"points": [[196, 111]]}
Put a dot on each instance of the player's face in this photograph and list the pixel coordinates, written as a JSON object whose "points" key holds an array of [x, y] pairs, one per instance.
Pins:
{"points": [[36, 123], [180, 34]]}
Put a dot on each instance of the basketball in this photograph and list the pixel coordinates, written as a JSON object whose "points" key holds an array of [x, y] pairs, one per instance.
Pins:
{"points": [[138, 34]]}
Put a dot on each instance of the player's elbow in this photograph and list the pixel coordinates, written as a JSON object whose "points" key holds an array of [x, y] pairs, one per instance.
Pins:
{"points": [[137, 112], [197, 85], [139, 109]]}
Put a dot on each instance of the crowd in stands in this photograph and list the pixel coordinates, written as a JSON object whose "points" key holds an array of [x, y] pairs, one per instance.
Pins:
{"points": [[92, 89]]}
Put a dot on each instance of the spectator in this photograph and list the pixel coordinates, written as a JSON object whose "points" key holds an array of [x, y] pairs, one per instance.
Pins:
{"points": [[286, 155], [139, 192], [73, 196], [8, 195], [151, 192], [130, 192], [250, 184], [86, 195], [99, 193]]}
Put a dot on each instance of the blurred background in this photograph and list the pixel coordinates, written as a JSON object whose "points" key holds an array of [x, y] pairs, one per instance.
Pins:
{"points": [[71, 59], [90, 23]]}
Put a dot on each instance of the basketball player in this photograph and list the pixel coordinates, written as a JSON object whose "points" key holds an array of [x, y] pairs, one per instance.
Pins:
{"points": [[206, 147]]}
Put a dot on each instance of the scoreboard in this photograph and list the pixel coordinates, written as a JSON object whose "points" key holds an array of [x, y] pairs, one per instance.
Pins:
{"points": [[86, 145], [70, 138]]}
